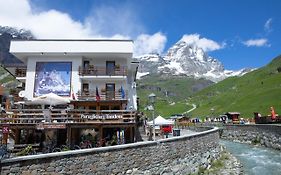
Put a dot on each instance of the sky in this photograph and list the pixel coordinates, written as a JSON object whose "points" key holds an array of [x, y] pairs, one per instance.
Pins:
{"points": [[239, 33]]}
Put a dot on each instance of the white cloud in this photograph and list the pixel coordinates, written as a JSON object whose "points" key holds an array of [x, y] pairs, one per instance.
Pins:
{"points": [[43, 24], [118, 22], [145, 44], [109, 21], [204, 43], [256, 42], [268, 25]]}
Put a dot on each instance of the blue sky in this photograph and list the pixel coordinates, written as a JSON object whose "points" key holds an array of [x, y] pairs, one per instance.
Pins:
{"points": [[240, 33]]}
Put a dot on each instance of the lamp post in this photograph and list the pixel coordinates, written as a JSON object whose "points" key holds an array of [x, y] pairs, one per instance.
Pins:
{"points": [[212, 114], [152, 98]]}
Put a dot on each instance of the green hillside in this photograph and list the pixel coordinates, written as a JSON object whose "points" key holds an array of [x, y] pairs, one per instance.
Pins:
{"points": [[256, 91], [172, 93]]}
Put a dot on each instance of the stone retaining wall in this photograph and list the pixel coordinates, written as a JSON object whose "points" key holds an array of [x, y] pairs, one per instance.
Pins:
{"points": [[264, 135], [177, 155]]}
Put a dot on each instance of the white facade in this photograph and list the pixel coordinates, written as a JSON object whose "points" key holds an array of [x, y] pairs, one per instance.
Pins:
{"points": [[81, 54]]}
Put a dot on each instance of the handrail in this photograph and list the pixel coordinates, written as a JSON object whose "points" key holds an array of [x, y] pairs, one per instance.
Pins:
{"points": [[107, 95], [93, 70], [76, 110], [86, 71], [75, 116]]}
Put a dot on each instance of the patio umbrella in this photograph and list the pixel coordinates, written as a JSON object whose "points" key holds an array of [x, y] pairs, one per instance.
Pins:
{"points": [[50, 99], [161, 121]]}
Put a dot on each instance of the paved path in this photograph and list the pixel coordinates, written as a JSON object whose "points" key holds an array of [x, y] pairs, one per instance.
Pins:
{"points": [[158, 137], [193, 107]]}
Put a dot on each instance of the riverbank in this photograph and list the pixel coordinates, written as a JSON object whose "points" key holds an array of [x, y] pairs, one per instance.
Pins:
{"points": [[262, 135], [226, 164]]}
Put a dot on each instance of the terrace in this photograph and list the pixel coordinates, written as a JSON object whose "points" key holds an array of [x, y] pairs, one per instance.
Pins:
{"points": [[58, 118]]}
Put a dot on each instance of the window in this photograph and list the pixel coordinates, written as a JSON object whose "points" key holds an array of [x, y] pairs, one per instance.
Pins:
{"points": [[85, 88], [110, 91], [110, 67], [86, 64]]}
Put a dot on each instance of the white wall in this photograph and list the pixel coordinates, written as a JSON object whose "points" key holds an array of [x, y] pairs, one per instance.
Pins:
{"points": [[132, 92], [100, 83]]}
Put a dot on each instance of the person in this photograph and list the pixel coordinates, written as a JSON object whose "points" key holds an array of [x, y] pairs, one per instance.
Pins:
{"points": [[273, 115]]}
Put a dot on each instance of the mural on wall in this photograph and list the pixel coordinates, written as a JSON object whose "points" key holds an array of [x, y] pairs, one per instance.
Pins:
{"points": [[52, 77]]}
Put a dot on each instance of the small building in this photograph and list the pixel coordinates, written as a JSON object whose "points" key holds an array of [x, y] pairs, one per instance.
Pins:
{"points": [[234, 116], [182, 121]]}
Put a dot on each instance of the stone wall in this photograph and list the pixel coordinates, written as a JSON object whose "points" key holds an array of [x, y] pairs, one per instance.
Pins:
{"points": [[264, 135], [177, 155]]}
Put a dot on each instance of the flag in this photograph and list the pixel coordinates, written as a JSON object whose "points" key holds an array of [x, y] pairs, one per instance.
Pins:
{"points": [[122, 92], [97, 94]]}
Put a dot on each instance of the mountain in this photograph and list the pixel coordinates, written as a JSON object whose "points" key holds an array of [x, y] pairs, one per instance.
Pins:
{"points": [[184, 59], [256, 91], [6, 35]]}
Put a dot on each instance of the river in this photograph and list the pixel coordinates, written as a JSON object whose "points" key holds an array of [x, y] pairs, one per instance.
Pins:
{"points": [[255, 160]]}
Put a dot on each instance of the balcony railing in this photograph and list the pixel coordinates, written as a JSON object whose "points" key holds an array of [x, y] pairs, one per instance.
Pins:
{"points": [[89, 71], [20, 72], [102, 71], [59, 116], [104, 95]]}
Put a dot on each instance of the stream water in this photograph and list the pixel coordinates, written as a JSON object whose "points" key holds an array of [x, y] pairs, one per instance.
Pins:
{"points": [[255, 160]]}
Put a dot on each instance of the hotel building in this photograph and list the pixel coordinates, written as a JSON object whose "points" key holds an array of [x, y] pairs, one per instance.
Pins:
{"points": [[96, 77]]}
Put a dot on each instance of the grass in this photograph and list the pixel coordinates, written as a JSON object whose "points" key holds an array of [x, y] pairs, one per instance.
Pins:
{"points": [[169, 90], [216, 165], [256, 91], [256, 141], [167, 108]]}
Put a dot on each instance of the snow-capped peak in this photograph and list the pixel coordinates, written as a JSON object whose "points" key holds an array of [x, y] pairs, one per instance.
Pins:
{"points": [[186, 59], [149, 57]]}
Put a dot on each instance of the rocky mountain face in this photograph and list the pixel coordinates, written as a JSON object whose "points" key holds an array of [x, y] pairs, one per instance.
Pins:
{"points": [[6, 35], [183, 59]]}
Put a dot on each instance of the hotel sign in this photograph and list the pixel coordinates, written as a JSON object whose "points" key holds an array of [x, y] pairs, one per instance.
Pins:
{"points": [[101, 116], [42, 126]]}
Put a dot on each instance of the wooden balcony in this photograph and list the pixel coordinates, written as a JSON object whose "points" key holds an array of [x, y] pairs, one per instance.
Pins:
{"points": [[59, 117], [102, 71], [104, 95]]}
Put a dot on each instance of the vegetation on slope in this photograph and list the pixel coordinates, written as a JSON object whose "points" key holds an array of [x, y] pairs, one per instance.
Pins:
{"points": [[256, 91], [171, 93], [7, 79]]}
